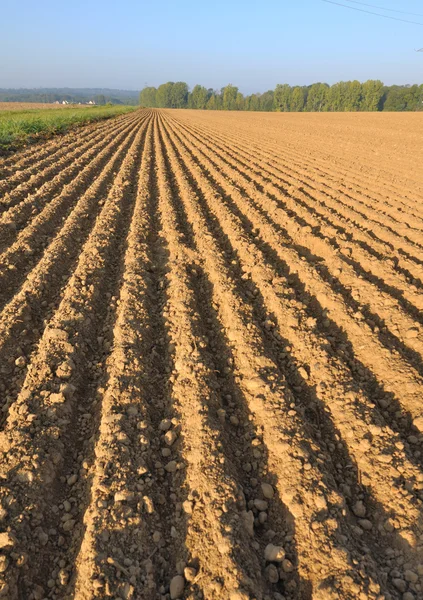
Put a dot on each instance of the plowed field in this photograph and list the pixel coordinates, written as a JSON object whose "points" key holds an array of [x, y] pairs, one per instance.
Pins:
{"points": [[211, 359]]}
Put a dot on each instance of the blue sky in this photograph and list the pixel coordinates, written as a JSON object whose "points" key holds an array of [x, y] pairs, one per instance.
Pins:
{"points": [[255, 45]]}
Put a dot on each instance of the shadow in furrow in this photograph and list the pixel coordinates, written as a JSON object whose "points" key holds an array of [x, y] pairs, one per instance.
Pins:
{"points": [[42, 303], [77, 439], [242, 445]]}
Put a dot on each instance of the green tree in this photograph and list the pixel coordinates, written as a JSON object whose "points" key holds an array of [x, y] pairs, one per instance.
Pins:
{"points": [[214, 102], [252, 102], [179, 95], [338, 96], [317, 97], [148, 97], [164, 95], [298, 99], [229, 97], [199, 97], [353, 96], [266, 101], [282, 97], [99, 99], [373, 92], [403, 98], [240, 102]]}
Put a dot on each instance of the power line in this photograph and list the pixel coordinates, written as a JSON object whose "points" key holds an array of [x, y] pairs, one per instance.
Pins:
{"points": [[372, 13], [403, 12]]}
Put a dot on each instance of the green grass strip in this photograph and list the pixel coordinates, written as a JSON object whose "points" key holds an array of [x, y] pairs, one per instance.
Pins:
{"points": [[21, 127]]}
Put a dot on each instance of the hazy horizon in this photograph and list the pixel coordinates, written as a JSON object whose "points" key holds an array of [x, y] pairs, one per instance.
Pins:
{"points": [[103, 45]]}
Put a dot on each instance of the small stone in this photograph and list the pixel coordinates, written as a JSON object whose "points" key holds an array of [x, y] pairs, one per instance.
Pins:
{"points": [[20, 362], [4, 563], [68, 390], [190, 574], [68, 525], [365, 524], [157, 536], [126, 591], [58, 398], [187, 506], [63, 577], [287, 566], [6, 540], [124, 496], [411, 576], [43, 537], [303, 373], [171, 466], [261, 504], [170, 437], [408, 596], [400, 584], [248, 518], [221, 413], [389, 526], [72, 479], [274, 553], [165, 425], [262, 518], [64, 370], [359, 509], [272, 574], [177, 587], [268, 491], [412, 333]]}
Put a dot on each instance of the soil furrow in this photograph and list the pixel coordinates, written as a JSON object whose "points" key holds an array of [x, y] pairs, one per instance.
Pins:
{"points": [[333, 375], [340, 202], [15, 220], [31, 172], [56, 407], [129, 546], [37, 234], [35, 152], [211, 359], [46, 182], [400, 378], [343, 179], [301, 207], [256, 378], [37, 299]]}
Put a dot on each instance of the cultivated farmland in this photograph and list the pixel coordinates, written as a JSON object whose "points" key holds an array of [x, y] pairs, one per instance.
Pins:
{"points": [[211, 351]]}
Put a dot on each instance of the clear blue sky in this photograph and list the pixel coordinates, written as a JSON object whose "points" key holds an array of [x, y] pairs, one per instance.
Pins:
{"points": [[252, 44]]}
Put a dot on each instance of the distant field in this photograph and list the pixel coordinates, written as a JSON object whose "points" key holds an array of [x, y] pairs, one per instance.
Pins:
{"points": [[211, 359], [19, 127], [34, 105]]}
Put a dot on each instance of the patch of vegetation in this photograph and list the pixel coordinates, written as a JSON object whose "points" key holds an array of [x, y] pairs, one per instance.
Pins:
{"points": [[21, 127]]}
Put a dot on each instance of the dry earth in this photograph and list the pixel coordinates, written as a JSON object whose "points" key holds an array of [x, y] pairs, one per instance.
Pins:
{"points": [[211, 359]]}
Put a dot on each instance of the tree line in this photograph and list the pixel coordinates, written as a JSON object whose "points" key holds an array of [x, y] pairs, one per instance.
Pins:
{"points": [[72, 95], [372, 95]]}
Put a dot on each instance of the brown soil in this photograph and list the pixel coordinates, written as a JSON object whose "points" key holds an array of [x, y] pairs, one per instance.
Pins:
{"points": [[211, 359]]}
